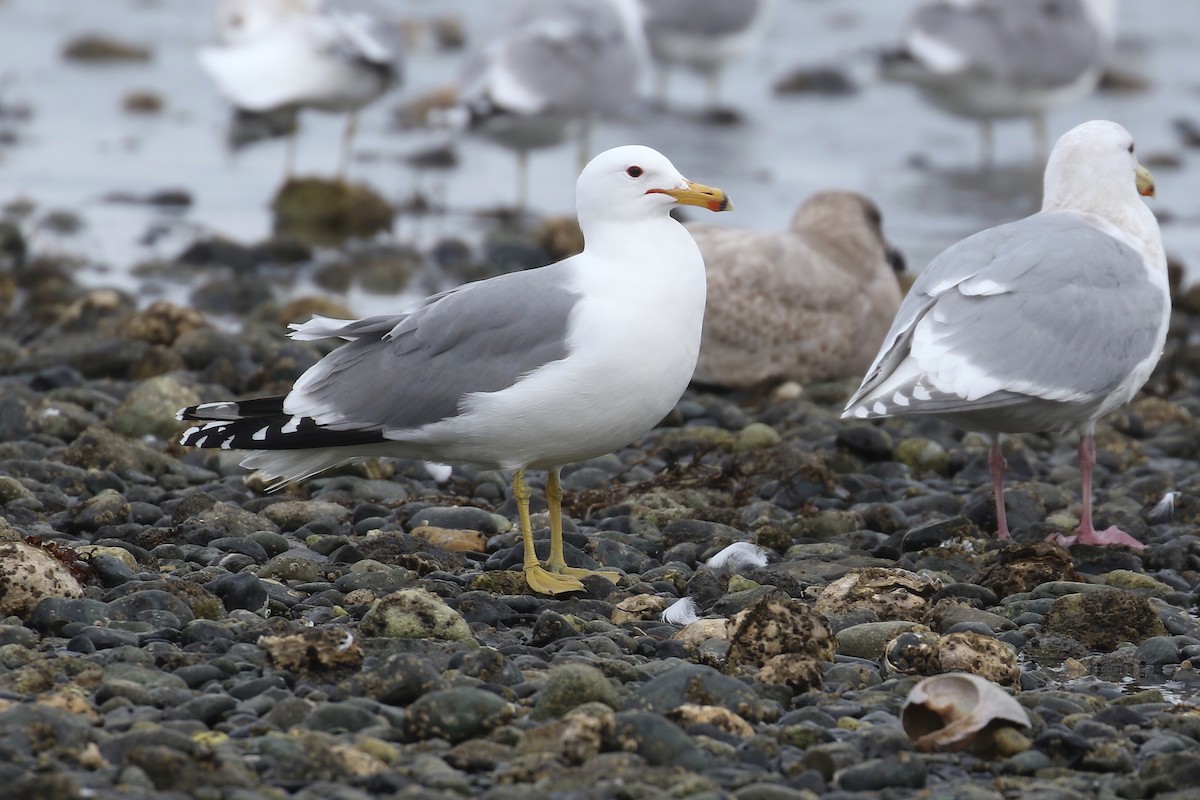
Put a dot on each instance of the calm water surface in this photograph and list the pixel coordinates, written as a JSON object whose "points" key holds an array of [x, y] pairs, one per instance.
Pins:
{"points": [[920, 166]]}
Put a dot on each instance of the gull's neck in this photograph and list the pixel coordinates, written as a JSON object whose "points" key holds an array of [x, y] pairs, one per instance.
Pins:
{"points": [[623, 241], [1122, 208]]}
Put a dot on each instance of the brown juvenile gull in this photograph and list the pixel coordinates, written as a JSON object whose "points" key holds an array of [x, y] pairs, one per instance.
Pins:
{"points": [[809, 303], [1043, 324], [532, 369], [998, 59]]}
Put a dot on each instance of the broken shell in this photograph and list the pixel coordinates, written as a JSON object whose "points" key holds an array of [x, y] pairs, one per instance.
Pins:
{"points": [[952, 711]]}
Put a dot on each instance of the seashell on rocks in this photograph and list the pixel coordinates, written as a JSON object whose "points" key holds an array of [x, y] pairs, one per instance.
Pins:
{"points": [[957, 710]]}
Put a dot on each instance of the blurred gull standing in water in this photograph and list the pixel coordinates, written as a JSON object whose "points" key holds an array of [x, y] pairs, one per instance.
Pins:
{"points": [[702, 35], [1043, 324], [293, 54], [810, 303], [999, 59], [554, 64]]}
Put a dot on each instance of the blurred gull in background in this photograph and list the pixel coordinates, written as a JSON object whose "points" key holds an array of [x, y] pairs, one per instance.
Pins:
{"points": [[702, 35], [293, 54], [998, 59], [556, 63]]}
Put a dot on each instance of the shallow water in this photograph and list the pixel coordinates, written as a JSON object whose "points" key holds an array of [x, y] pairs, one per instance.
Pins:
{"points": [[920, 165]]}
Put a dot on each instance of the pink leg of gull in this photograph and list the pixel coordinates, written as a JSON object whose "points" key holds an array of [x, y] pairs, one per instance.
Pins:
{"points": [[998, 466], [1086, 533]]}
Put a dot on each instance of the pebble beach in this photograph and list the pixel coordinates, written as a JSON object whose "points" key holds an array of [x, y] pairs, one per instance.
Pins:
{"points": [[170, 630], [787, 580]]}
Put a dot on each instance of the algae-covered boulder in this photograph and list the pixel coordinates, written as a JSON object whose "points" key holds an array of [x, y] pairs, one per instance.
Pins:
{"points": [[328, 212]]}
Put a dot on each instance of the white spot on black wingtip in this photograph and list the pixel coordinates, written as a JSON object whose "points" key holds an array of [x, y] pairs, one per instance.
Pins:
{"points": [[921, 392], [199, 442], [227, 444], [180, 415], [260, 435], [879, 407], [861, 412], [291, 426]]}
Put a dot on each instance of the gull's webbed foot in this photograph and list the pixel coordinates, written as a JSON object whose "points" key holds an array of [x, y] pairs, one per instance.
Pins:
{"points": [[545, 582], [1105, 538], [578, 572]]}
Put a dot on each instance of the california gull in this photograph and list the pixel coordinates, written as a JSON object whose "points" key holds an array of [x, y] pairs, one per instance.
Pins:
{"points": [[702, 35], [809, 303], [532, 369], [296, 54], [1043, 324], [553, 64], [997, 59]]}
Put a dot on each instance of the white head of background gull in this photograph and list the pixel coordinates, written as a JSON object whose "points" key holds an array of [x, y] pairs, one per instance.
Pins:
{"points": [[532, 369], [293, 54], [998, 59], [1043, 324]]}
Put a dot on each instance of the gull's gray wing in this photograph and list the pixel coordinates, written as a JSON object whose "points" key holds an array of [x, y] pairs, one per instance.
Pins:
{"points": [[1049, 307], [556, 56], [1038, 43], [404, 371], [699, 17]]}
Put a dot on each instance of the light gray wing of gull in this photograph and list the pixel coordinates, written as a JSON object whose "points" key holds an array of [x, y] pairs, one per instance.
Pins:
{"points": [[700, 17], [368, 31], [569, 56], [1048, 307], [1038, 43], [404, 371]]}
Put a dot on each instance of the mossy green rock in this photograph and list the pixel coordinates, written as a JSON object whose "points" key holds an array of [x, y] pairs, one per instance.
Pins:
{"points": [[1137, 582], [150, 408], [756, 436], [291, 515], [456, 714], [1102, 620], [572, 685], [415, 614], [329, 212], [923, 455]]}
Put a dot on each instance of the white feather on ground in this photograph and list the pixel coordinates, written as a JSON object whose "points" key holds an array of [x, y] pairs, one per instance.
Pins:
{"points": [[738, 556], [682, 612]]}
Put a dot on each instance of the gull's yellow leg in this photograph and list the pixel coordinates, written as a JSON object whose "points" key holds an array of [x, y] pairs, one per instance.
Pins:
{"points": [[557, 563], [535, 574]]}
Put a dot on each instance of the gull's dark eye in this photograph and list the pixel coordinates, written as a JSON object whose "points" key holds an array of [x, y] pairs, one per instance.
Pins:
{"points": [[634, 172], [1131, 147]]}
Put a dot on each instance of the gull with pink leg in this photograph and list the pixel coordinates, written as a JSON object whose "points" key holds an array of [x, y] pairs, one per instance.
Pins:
{"points": [[1040, 325]]}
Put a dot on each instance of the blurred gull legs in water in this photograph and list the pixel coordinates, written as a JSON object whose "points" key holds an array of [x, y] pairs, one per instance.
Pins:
{"points": [[291, 55], [703, 36], [999, 59], [555, 63]]}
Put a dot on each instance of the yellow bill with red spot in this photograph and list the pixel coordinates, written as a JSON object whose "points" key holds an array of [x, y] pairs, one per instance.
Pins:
{"points": [[697, 194]]}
